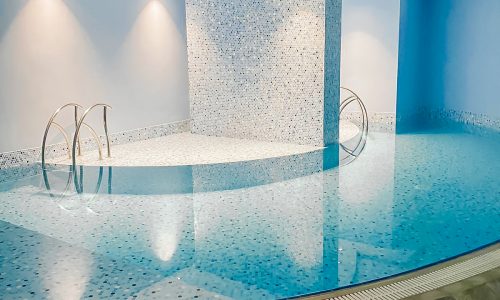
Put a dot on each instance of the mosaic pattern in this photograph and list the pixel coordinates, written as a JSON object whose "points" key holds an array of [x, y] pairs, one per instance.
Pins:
{"points": [[232, 176], [384, 122], [199, 178], [333, 16], [470, 121], [189, 149], [372, 218], [257, 69], [17, 164], [424, 118]]}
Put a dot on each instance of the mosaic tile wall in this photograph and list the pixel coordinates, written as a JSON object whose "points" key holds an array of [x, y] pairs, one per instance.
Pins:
{"points": [[18, 164], [333, 16], [423, 118], [471, 121], [257, 69], [379, 121]]}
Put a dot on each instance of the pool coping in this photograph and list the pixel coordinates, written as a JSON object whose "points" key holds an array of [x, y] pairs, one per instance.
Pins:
{"points": [[422, 280]]}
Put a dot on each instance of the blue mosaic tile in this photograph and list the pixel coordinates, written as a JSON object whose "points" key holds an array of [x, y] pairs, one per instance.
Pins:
{"points": [[406, 202]]}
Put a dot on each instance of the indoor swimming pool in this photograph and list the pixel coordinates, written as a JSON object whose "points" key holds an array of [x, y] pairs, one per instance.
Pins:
{"points": [[274, 228]]}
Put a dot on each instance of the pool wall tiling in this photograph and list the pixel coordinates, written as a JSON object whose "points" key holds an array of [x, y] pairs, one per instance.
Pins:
{"points": [[378, 121], [471, 122], [243, 84], [163, 180], [17, 164], [426, 118]]}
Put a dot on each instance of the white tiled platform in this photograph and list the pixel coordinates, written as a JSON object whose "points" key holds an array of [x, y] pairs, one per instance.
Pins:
{"points": [[188, 149], [192, 149]]}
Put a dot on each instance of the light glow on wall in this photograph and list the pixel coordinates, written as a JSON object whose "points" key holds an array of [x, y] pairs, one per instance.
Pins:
{"points": [[132, 56], [151, 51], [46, 59], [372, 74], [46, 44], [369, 54]]}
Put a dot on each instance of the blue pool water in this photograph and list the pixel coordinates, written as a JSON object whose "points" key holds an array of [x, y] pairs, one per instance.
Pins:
{"points": [[408, 201]]}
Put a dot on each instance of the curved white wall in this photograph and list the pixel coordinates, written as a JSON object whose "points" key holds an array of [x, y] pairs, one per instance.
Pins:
{"points": [[128, 53], [369, 58]]}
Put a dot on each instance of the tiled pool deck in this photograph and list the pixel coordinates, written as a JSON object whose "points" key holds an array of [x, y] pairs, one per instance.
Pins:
{"points": [[189, 149], [184, 149]]}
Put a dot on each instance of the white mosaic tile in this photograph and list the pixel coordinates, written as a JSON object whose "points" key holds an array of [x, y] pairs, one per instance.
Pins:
{"points": [[257, 69], [186, 149], [377, 121], [18, 164]]}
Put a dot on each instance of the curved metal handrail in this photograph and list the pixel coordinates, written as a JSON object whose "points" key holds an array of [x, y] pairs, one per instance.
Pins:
{"points": [[66, 138], [77, 134], [364, 123], [49, 125], [96, 138]]}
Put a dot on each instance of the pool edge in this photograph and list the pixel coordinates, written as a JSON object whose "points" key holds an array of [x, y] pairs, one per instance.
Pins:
{"points": [[417, 282]]}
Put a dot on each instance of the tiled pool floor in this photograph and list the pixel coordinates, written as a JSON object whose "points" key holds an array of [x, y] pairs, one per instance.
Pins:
{"points": [[406, 202]]}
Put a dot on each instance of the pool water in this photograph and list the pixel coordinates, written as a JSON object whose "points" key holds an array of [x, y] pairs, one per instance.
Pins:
{"points": [[408, 201]]}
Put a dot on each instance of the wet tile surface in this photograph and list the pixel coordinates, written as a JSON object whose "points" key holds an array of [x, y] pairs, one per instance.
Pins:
{"points": [[406, 202]]}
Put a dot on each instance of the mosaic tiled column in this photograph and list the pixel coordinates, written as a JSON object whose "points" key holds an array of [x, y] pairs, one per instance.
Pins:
{"points": [[265, 70]]}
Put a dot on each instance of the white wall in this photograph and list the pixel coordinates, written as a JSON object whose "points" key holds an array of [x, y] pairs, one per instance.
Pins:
{"points": [[369, 58], [128, 53]]}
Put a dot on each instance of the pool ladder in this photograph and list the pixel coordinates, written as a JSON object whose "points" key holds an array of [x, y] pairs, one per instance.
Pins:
{"points": [[353, 152], [76, 148]]}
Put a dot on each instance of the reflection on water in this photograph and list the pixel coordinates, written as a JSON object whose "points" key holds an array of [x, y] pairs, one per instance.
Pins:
{"points": [[69, 269], [406, 202]]}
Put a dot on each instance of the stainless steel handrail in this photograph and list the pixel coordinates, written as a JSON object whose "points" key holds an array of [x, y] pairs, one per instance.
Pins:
{"points": [[51, 122], [66, 138], [96, 138], [77, 134], [364, 123]]}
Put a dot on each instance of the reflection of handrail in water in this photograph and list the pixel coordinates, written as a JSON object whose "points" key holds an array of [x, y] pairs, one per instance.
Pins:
{"points": [[354, 153], [70, 176], [47, 183], [78, 186]]}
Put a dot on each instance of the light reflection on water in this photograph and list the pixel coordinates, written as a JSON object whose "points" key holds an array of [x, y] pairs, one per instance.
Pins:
{"points": [[408, 201]]}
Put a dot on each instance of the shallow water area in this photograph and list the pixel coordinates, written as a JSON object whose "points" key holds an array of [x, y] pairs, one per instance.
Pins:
{"points": [[406, 202]]}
